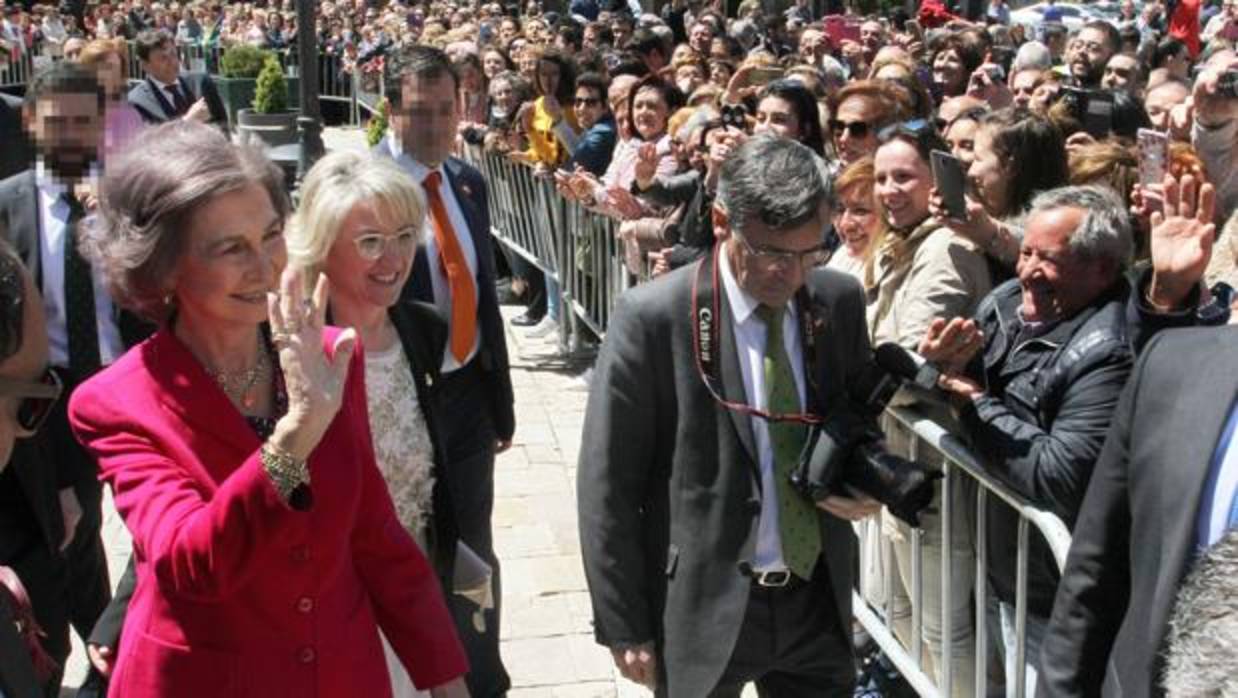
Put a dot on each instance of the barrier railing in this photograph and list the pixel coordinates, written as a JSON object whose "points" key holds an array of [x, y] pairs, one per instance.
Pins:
{"points": [[580, 249], [957, 461]]}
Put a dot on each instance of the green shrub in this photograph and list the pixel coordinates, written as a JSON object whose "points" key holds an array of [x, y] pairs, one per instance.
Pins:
{"points": [[242, 61], [271, 91], [377, 127]]}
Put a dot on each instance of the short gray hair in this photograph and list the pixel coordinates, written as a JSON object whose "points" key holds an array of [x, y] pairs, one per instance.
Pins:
{"points": [[149, 198], [776, 181], [1033, 54], [336, 184], [1200, 654], [1105, 231]]}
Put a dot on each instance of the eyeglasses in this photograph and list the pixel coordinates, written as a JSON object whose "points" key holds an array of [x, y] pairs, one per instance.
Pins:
{"points": [[784, 258], [587, 101], [857, 129], [37, 398], [372, 246]]}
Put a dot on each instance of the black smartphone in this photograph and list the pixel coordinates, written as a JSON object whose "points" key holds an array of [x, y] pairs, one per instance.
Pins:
{"points": [[1098, 116], [951, 181]]}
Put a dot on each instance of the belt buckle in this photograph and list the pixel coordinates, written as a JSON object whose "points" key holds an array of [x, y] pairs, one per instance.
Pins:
{"points": [[773, 578]]}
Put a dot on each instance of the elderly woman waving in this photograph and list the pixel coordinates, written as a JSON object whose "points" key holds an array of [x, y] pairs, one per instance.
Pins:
{"points": [[267, 548]]}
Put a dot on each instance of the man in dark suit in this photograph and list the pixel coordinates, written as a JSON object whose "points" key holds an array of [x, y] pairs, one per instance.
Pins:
{"points": [[455, 271], [168, 94], [16, 155], [1165, 486], [706, 569], [51, 531]]}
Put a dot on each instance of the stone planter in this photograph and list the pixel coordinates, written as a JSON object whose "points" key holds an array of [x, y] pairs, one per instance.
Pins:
{"points": [[271, 129]]}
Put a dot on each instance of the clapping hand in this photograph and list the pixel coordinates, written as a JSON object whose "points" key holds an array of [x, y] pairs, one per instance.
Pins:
{"points": [[314, 379], [627, 206], [646, 164], [951, 345], [1181, 240]]}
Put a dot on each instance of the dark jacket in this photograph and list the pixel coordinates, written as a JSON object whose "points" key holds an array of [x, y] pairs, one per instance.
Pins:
{"points": [[1048, 401], [17, 155], [157, 108], [694, 232], [596, 147]]}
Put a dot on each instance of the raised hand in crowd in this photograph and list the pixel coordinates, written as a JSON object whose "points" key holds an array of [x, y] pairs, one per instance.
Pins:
{"points": [[1181, 241], [738, 88], [1212, 109], [638, 663], [988, 82], [979, 226], [647, 158], [313, 380], [951, 345], [723, 142]]}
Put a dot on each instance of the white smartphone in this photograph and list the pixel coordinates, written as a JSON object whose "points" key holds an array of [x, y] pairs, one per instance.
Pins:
{"points": [[1153, 156]]}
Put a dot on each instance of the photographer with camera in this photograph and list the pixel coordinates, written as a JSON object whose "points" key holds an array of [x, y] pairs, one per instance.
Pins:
{"points": [[1051, 354], [706, 568]]}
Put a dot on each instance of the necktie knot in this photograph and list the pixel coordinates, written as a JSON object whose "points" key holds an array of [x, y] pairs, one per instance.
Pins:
{"points": [[432, 181], [772, 317]]}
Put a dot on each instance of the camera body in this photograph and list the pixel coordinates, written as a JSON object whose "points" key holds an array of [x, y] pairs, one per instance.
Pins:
{"points": [[846, 448]]}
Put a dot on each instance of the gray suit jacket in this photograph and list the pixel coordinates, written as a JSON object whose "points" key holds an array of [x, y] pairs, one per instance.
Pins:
{"points": [[1135, 537], [668, 482]]}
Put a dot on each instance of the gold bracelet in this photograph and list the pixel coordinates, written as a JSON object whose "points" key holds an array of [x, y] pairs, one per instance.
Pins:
{"points": [[286, 471]]}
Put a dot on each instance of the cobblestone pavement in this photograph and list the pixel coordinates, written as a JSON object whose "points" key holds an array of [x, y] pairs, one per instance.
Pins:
{"points": [[547, 641]]}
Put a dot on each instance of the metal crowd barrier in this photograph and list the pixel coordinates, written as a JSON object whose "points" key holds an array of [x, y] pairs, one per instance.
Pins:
{"points": [[573, 246], [17, 70], [958, 461]]}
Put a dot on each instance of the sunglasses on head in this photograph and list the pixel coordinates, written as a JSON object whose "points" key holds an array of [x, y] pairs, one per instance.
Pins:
{"points": [[916, 128], [37, 398], [857, 129]]}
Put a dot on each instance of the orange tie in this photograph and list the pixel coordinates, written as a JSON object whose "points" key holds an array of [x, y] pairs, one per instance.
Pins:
{"points": [[463, 296]]}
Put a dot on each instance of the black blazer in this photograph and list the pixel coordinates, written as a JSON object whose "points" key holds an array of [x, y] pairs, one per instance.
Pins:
{"points": [[17, 154], [423, 335], [1135, 537], [470, 190], [668, 487], [156, 107]]}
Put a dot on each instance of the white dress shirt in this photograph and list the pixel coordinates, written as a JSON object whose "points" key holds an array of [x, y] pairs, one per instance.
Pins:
{"points": [[750, 349], [1221, 487], [460, 226], [53, 225]]}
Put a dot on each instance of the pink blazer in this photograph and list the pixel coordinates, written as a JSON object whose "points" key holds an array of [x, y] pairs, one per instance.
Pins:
{"points": [[238, 594]]}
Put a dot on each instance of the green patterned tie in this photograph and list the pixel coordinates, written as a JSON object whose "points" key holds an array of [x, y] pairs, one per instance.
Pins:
{"points": [[797, 517]]}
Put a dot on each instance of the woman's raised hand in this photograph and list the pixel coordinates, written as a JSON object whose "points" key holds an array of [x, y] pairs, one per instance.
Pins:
{"points": [[313, 377]]}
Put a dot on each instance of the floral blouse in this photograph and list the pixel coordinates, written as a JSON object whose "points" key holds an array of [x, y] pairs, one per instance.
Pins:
{"points": [[402, 443]]}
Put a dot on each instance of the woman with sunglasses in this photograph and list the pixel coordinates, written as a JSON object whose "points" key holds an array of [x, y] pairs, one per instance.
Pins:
{"points": [[266, 546], [857, 112], [359, 222], [920, 272]]}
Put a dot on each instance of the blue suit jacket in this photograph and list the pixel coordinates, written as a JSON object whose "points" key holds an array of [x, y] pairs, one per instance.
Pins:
{"points": [[596, 147]]}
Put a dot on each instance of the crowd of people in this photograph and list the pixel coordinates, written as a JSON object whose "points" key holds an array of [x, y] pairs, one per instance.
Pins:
{"points": [[1041, 211]]}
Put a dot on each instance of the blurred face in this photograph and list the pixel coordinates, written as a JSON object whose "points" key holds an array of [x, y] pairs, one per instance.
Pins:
{"points": [[903, 181], [590, 107], [527, 64], [503, 95], [492, 64], [111, 76], [948, 73], [470, 78], [1120, 73], [701, 37], [1088, 55], [757, 256], [1023, 86], [233, 257], [649, 114], [426, 120], [776, 115], [962, 139], [857, 220], [508, 30], [688, 77], [1161, 101], [548, 77], [720, 74], [812, 45], [1179, 64], [854, 129], [871, 35], [1056, 282], [67, 131], [989, 178], [163, 64], [372, 255], [26, 365]]}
